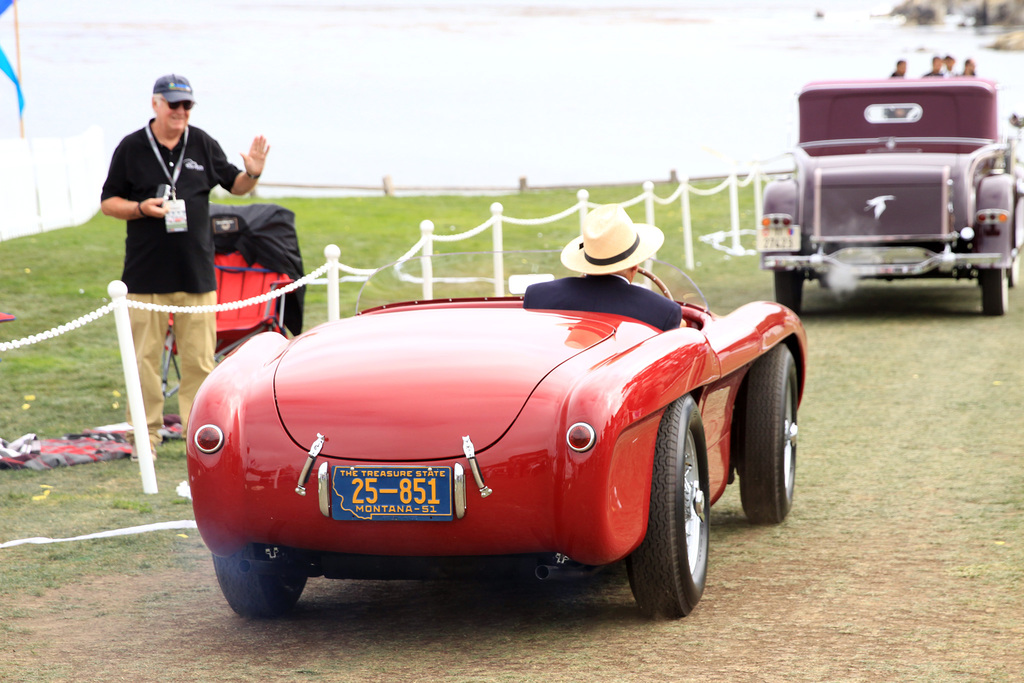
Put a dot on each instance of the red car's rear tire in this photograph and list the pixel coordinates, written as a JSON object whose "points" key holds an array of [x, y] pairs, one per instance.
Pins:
{"points": [[256, 595], [767, 465], [668, 570]]}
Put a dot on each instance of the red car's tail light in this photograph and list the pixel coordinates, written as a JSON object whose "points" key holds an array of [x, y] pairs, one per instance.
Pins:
{"points": [[209, 438], [581, 437]]}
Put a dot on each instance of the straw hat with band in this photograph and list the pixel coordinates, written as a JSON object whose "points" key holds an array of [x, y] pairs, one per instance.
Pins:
{"points": [[610, 241]]}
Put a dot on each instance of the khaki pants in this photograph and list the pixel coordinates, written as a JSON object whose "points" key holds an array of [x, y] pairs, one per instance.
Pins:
{"points": [[196, 337]]}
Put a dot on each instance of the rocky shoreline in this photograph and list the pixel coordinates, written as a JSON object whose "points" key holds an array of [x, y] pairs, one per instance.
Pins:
{"points": [[975, 13]]}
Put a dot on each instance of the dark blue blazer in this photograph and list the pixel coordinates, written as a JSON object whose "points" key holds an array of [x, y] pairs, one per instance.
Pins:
{"points": [[604, 294]]}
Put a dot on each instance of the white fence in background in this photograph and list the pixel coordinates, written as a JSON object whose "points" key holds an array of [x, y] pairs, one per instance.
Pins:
{"points": [[49, 183], [423, 247]]}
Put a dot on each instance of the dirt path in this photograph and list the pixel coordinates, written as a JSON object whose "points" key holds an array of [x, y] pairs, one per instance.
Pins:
{"points": [[783, 604]]}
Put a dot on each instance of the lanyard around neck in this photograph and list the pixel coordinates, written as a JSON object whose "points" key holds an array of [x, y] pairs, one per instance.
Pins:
{"points": [[173, 179]]}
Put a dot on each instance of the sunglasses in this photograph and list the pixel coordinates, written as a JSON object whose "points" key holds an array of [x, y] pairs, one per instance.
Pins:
{"points": [[184, 103]]}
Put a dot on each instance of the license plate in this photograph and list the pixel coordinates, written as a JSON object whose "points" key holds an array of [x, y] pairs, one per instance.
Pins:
{"points": [[778, 238], [391, 493]]}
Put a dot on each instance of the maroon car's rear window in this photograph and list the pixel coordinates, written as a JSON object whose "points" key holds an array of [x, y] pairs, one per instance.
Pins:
{"points": [[923, 108]]}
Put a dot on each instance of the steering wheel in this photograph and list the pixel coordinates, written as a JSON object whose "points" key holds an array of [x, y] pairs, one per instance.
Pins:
{"points": [[656, 280]]}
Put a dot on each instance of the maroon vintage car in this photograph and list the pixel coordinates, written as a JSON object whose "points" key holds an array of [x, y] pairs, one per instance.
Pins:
{"points": [[464, 435], [898, 178]]}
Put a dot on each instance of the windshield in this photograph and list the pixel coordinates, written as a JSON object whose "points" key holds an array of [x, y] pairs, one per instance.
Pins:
{"points": [[472, 275]]}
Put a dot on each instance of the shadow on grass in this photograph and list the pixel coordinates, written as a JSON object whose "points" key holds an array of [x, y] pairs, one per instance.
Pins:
{"points": [[880, 300]]}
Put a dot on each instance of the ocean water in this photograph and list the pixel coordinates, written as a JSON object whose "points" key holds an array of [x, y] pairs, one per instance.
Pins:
{"points": [[464, 93]]}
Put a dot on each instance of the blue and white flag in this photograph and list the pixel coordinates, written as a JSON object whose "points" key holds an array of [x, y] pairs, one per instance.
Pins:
{"points": [[5, 65]]}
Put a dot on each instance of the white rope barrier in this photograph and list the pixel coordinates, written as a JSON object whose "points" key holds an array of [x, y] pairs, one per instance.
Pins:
{"points": [[127, 531], [55, 332], [424, 248], [684, 188], [233, 305]]}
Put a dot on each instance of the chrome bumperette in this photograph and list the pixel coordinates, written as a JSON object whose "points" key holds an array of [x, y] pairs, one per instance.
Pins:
{"points": [[314, 450], [470, 451], [459, 490], [323, 489]]}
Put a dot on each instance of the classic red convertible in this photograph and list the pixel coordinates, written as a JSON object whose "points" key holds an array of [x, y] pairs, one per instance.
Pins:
{"points": [[463, 435]]}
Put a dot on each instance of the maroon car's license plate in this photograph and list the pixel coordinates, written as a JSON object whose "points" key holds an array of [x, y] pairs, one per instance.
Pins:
{"points": [[391, 493]]}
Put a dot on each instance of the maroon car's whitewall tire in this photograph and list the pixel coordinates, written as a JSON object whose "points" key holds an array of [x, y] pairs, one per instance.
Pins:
{"points": [[767, 465], [668, 570], [256, 595]]}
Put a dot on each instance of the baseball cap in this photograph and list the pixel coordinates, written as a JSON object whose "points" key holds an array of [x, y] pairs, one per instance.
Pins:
{"points": [[173, 88]]}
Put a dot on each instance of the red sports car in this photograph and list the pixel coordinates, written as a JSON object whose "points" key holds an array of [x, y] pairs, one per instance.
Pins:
{"points": [[459, 434]]}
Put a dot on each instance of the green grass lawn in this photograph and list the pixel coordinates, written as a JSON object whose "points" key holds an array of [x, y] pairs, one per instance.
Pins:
{"points": [[910, 482]]}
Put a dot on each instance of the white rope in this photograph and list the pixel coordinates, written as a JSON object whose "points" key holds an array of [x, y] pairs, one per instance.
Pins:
{"points": [[55, 332], [473, 232], [707, 193], [158, 526], [231, 305], [749, 179], [717, 240], [671, 198], [547, 219], [630, 202]]}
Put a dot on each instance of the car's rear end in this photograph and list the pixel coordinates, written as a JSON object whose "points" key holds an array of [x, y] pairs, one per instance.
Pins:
{"points": [[442, 431], [895, 179]]}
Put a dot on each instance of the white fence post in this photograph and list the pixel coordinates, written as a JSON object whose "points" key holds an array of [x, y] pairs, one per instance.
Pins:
{"points": [[734, 209], [427, 230], [649, 219], [582, 197], [332, 253], [758, 199], [118, 292], [684, 201], [648, 202], [497, 242]]}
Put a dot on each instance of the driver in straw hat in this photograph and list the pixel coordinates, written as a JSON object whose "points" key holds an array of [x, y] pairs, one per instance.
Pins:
{"points": [[608, 252]]}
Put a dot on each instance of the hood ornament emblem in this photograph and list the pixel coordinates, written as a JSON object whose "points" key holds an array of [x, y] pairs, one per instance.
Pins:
{"points": [[878, 204]]}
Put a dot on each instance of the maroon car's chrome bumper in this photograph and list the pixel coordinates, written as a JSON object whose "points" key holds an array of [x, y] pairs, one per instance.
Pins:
{"points": [[880, 261]]}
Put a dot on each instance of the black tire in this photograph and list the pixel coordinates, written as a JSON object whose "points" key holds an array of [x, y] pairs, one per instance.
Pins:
{"points": [[668, 570], [995, 291], [789, 288], [767, 462], [256, 595]]}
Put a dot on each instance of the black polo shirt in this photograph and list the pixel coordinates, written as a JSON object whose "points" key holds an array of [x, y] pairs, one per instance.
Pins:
{"points": [[155, 261]]}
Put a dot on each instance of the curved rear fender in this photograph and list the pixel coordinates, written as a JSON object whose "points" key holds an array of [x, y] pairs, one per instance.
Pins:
{"points": [[238, 392], [751, 330], [780, 196], [605, 492], [995, 192]]}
